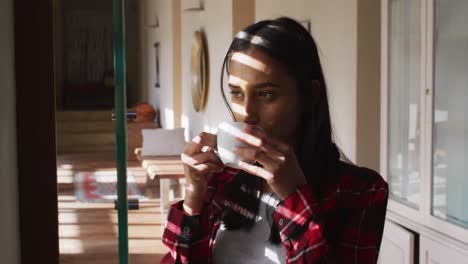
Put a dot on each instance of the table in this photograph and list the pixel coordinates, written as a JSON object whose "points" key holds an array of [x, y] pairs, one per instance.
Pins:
{"points": [[165, 168]]}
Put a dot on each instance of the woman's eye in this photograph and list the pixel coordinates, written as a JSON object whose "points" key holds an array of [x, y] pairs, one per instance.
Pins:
{"points": [[236, 94], [265, 95]]}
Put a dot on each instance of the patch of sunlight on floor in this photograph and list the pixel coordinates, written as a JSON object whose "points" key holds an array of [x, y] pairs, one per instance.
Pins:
{"points": [[66, 198], [69, 231], [67, 218], [65, 176], [65, 166], [70, 241], [71, 246], [79, 205]]}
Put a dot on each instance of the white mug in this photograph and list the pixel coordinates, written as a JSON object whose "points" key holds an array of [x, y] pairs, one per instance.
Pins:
{"points": [[227, 142]]}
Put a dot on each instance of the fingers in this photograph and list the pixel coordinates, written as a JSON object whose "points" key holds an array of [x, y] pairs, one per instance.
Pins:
{"points": [[256, 170], [204, 139], [257, 137], [203, 162], [208, 167], [254, 140], [200, 158], [269, 163], [256, 154]]}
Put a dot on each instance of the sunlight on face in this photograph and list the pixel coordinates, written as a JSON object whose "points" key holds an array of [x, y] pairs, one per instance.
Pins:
{"points": [[236, 81], [241, 83], [239, 109], [263, 93], [250, 61]]}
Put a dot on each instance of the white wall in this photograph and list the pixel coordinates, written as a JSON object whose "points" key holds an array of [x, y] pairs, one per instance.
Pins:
{"points": [[9, 230], [334, 27], [132, 39], [161, 98], [268, 9], [216, 22]]}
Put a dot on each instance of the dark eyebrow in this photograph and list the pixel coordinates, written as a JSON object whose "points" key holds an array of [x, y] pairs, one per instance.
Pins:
{"points": [[258, 85], [265, 84]]}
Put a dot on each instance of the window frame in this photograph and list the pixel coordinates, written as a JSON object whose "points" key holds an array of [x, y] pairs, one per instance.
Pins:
{"points": [[399, 211]]}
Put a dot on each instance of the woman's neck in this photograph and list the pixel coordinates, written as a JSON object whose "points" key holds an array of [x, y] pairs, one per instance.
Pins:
{"points": [[266, 187]]}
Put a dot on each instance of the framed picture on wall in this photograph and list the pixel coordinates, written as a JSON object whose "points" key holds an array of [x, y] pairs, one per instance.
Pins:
{"points": [[157, 49]]}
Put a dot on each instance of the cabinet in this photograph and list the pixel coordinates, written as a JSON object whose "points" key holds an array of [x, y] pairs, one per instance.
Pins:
{"points": [[397, 245], [424, 129], [432, 252], [424, 125]]}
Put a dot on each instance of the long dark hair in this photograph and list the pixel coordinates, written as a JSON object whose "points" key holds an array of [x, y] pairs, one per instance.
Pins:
{"points": [[287, 41]]}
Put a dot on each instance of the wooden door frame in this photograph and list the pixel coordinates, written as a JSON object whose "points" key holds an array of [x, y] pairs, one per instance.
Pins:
{"points": [[35, 121]]}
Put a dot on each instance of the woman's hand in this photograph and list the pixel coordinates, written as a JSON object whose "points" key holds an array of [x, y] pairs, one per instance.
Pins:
{"points": [[199, 168], [280, 169]]}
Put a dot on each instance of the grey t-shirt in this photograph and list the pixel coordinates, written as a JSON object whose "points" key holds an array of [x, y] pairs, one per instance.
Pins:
{"points": [[240, 246]]}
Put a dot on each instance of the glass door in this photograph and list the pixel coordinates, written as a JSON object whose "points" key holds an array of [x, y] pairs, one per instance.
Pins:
{"points": [[101, 180], [404, 118], [450, 121]]}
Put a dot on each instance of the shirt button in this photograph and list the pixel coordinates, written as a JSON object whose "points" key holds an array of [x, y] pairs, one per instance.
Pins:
{"points": [[281, 222], [186, 229]]}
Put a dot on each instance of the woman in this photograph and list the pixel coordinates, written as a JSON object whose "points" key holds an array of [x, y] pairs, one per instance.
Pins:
{"points": [[299, 202]]}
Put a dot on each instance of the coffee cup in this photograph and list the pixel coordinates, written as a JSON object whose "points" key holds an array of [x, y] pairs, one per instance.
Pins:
{"points": [[227, 142]]}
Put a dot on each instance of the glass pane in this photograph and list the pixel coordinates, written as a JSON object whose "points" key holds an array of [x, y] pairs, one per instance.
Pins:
{"points": [[450, 159], [404, 114]]}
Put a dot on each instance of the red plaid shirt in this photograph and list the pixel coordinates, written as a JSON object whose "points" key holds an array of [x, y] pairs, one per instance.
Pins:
{"points": [[345, 226]]}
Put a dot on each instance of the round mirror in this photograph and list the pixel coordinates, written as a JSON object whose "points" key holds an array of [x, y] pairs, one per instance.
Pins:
{"points": [[199, 71]]}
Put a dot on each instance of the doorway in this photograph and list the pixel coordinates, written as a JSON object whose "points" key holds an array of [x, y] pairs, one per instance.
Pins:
{"points": [[42, 216]]}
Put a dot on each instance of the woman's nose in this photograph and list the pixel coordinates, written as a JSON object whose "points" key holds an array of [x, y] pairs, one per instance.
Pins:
{"points": [[251, 111]]}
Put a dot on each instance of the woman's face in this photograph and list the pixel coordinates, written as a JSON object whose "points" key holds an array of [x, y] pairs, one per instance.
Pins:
{"points": [[264, 94]]}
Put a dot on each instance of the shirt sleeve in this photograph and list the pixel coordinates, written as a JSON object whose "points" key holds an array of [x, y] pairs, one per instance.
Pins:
{"points": [[188, 237], [302, 230], [185, 236]]}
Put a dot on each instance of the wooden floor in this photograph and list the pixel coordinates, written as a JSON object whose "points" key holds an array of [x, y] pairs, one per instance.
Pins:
{"points": [[88, 231]]}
